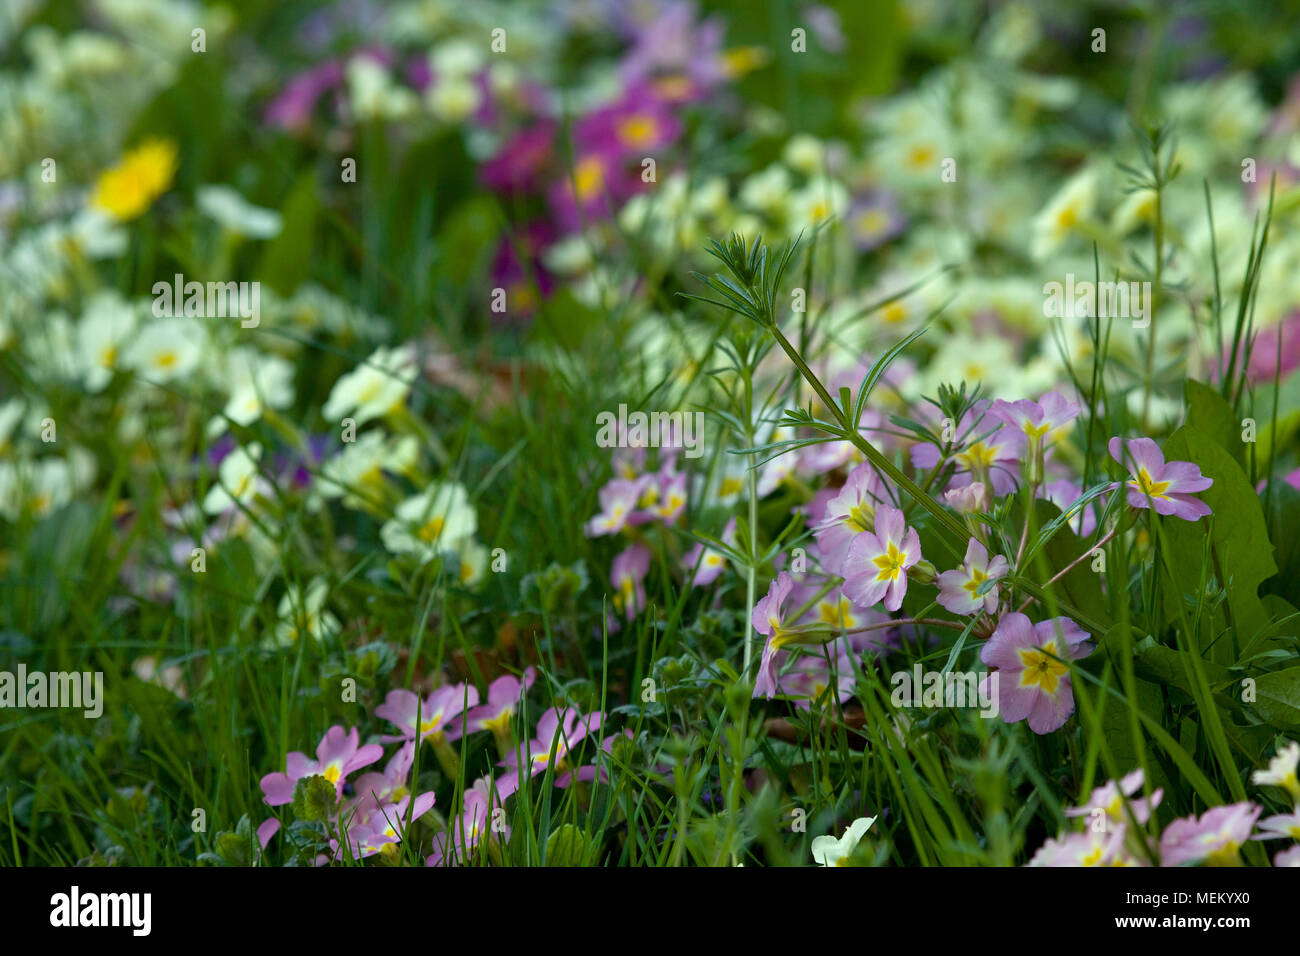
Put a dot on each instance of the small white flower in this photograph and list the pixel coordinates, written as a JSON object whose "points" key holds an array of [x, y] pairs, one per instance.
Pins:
{"points": [[1064, 213], [804, 153], [107, 324], [1281, 771], [302, 614], [374, 388], [829, 851], [238, 482], [236, 214], [167, 350], [437, 520], [453, 98], [356, 474]]}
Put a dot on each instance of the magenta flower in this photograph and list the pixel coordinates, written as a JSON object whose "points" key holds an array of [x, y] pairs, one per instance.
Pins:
{"points": [[1214, 839], [293, 106], [382, 832], [503, 697], [592, 190], [627, 574], [266, 830], [337, 755], [767, 618], [375, 790], [877, 563], [849, 514], [959, 589], [1155, 483], [1033, 678], [1279, 344], [1109, 800], [633, 126], [1290, 857], [563, 729], [436, 714], [518, 165]]}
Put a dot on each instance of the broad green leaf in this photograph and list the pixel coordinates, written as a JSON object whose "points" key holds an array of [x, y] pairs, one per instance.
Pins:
{"points": [[1243, 555], [1277, 698], [1208, 413]]}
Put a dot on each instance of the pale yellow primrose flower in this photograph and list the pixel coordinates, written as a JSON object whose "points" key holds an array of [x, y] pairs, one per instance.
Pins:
{"points": [[829, 851], [1281, 771]]}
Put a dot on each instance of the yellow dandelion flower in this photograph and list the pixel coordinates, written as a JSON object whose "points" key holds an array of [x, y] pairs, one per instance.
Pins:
{"points": [[130, 187]]}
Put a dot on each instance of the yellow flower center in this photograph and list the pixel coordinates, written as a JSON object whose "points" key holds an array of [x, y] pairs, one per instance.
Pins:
{"points": [[1147, 486], [637, 130], [1041, 668], [861, 517], [978, 456], [890, 563], [921, 156], [836, 613], [431, 530], [977, 577], [589, 178]]}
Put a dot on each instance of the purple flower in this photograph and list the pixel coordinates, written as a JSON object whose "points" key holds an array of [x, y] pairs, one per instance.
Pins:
{"points": [[1109, 800], [877, 562], [1155, 483], [1090, 848], [873, 219], [1033, 677], [465, 831], [1036, 420], [706, 564], [382, 832], [627, 574], [1064, 493], [436, 714], [633, 126], [1289, 857], [562, 729], [959, 590], [991, 457], [375, 790], [1280, 826], [1214, 839], [503, 696], [810, 680], [519, 165], [674, 49], [849, 514], [337, 755], [767, 618], [293, 107], [619, 499], [592, 190]]}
